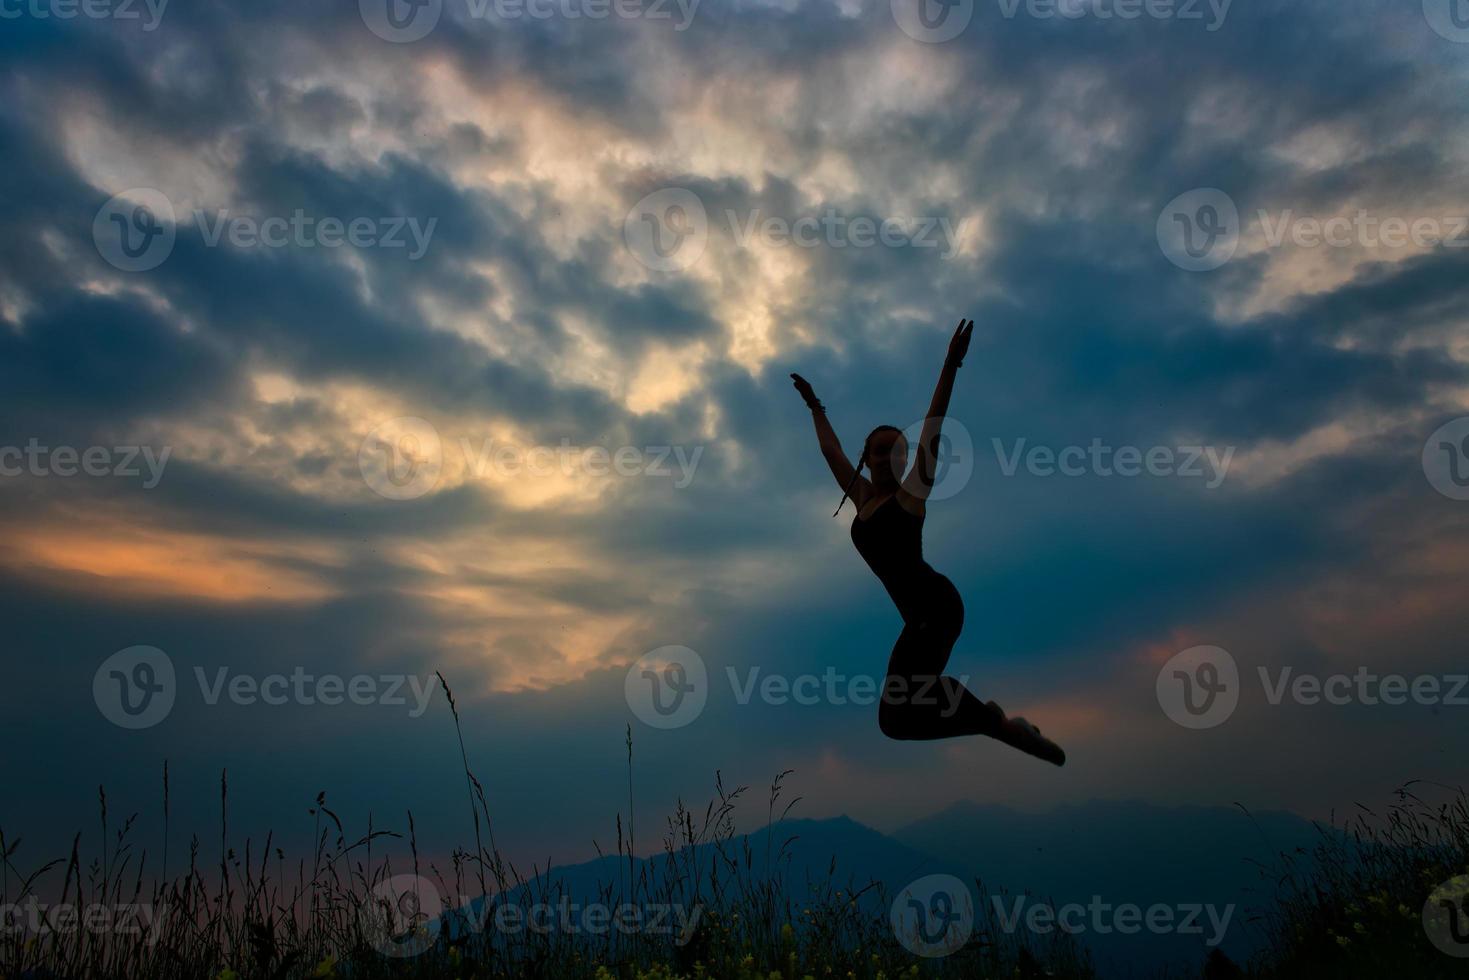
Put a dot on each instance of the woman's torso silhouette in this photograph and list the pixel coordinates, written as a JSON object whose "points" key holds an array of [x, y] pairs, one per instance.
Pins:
{"points": [[890, 540]]}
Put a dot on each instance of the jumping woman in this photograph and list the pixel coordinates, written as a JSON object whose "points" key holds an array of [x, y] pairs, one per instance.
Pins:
{"points": [[918, 702]]}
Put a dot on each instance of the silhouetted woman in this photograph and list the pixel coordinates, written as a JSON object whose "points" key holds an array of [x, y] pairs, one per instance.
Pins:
{"points": [[918, 701]]}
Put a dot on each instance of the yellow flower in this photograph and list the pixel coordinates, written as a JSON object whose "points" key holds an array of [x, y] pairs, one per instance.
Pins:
{"points": [[326, 968]]}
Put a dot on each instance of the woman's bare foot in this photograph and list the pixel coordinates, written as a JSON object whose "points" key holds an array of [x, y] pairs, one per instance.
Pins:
{"points": [[1021, 734], [1028, 738]]}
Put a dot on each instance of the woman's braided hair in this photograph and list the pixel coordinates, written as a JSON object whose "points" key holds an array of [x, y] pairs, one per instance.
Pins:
{"points": [[862, 461]]}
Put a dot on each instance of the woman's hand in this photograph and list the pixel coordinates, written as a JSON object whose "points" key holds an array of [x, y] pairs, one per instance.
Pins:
{"points": [[803, 388], [959, 344]]}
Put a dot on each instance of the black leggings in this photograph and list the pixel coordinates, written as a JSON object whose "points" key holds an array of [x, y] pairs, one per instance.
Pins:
{"points": [[918, 701]]}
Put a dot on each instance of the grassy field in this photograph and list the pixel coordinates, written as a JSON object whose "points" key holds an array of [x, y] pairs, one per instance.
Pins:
{"points": [[365, 906]]}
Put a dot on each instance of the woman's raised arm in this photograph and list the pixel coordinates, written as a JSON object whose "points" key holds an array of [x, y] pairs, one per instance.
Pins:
{"points": [[925, 465], [831, 447]]}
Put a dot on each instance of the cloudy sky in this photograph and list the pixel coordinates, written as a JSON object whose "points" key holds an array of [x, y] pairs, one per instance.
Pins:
{"points": [[457, 336]]}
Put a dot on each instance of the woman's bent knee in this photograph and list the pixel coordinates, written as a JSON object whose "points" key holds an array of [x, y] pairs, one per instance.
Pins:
{"points": [[896, 720]]}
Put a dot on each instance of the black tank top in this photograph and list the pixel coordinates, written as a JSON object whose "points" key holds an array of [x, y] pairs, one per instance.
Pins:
{"points": [[891, 542]]}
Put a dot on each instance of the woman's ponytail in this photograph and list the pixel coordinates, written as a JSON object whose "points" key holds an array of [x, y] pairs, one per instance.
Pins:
{"points": [[861, 462]]}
